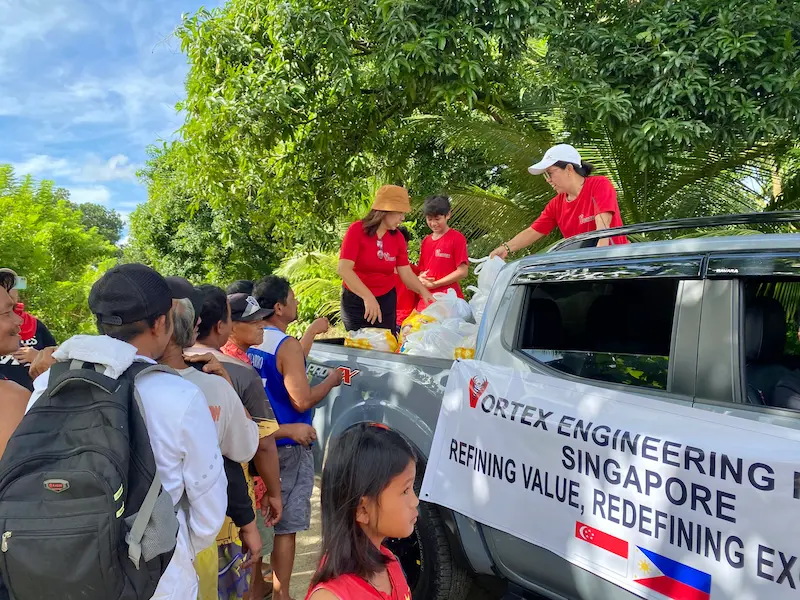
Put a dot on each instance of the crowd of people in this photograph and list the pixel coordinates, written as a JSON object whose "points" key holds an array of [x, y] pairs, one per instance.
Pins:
{"points": [[229, 412]]}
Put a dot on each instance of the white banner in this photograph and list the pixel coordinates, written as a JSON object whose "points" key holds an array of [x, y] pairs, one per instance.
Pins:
{"points": [[664, 500]]}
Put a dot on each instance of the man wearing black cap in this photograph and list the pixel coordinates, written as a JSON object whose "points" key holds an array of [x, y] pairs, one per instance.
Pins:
{"points": [[133, 307]]}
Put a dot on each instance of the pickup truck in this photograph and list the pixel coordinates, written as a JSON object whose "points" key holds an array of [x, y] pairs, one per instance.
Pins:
{"points": [[707, 322]]}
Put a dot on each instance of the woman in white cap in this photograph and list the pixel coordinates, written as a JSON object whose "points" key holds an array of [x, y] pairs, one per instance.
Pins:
{"points": [[372, 252], [582, 203]]}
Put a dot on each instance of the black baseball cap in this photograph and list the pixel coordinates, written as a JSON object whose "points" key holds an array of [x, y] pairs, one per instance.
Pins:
{"points": [[181, 288], [245, 308], [128, 294]]}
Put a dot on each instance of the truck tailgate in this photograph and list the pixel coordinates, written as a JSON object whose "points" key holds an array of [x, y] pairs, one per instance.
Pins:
{"points": [[404, 392]]}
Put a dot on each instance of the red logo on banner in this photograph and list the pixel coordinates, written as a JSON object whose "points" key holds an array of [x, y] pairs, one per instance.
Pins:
{"points": [[476, 389], [601, 539]]}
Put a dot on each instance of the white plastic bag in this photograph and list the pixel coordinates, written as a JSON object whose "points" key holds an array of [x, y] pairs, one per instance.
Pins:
{"points": [[434, 340], [487, 271], [466, 349], [371, 338], [452, 338], [448, 306], [477, 303], [460, 327]]}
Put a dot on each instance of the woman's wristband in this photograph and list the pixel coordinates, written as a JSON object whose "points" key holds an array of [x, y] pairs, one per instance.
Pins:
{"points": [[507, 247]]}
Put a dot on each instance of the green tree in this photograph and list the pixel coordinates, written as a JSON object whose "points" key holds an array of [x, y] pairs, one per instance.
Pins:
{"points": [[693, 183], [178, 236], [663, 77], [293, 106], [108, 221], [44, 239]]}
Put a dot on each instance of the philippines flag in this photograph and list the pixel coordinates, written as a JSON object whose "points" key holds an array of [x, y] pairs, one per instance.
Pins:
{"points": [[669, 577], [613, 551]]}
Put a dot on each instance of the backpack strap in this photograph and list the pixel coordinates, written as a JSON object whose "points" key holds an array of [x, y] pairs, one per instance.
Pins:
{"points": [[142, 519], [66, 373]]}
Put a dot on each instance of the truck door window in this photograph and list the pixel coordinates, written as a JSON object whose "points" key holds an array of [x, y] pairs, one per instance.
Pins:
{"points": [[771, 346], [616, 331]]}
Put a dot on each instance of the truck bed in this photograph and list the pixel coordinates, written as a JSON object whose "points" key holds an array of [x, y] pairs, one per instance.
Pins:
{"points": [[403, 391]]}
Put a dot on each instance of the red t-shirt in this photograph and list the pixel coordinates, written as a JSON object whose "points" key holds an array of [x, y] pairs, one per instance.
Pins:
{"points": [[376, 273], [352, 587], [406, 299], [597, 196], [441, 257]]}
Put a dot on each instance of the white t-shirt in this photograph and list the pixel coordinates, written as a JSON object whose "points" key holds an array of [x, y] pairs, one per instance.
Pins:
{"points": [[237, 435], [185, 449]]}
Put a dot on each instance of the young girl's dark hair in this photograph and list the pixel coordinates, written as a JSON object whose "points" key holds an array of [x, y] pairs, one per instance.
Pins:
{"points": [[373, 220], [405, 233], [361, 464], [584, 169]]}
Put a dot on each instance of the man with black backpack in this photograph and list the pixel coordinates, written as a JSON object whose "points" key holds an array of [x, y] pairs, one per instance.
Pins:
{"points": [[114, 479]]}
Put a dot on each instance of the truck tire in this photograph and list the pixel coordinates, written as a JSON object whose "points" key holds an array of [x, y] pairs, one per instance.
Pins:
{"points": [[432, 571]]}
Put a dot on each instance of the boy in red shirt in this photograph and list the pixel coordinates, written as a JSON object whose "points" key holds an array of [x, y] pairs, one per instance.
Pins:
{"points": [[443, 259]]}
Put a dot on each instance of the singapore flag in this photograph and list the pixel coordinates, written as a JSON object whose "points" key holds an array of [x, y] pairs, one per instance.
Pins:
{"points": [[602, 549]]}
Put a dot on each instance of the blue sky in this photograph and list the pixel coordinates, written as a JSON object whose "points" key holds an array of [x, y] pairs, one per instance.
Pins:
{"points": [[85, 87]]}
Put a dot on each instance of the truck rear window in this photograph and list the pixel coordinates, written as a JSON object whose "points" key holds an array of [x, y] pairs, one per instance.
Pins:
{"points": [[615, 331]]}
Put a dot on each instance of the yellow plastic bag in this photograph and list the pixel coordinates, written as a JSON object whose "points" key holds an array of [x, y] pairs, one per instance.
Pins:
{"points": [[464, 353], [371, 338], [414, 322]]}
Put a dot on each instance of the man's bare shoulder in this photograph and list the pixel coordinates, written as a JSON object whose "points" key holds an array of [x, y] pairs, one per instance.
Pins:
{"points": [[13, 403], [11, 391], [290, 346]]}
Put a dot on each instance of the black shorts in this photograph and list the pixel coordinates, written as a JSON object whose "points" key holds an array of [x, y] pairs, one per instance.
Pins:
{"points": [[353, 311]]}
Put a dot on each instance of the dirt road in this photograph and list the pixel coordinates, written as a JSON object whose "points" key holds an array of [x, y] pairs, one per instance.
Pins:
{"points": [[307, 557]]}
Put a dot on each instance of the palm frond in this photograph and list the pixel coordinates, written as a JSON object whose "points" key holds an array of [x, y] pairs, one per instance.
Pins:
{"points": [[700, 182], [309, 265]]}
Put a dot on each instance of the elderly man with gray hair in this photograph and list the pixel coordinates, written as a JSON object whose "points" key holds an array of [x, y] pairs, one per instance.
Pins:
{"points": [[237, 434]]}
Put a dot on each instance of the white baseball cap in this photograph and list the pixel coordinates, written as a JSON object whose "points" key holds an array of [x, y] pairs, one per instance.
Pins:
{"points": [[559, 153]]}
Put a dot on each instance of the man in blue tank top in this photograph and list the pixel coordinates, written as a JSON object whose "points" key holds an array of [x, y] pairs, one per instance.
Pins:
{"points": [[281, 362]]}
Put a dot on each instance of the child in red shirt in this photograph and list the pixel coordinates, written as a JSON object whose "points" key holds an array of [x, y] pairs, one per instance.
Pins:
{"points": [[367, 497], [406, 298], [443, 259]]}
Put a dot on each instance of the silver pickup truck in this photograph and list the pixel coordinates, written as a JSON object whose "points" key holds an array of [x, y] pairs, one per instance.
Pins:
{"points": [[707, 322]]}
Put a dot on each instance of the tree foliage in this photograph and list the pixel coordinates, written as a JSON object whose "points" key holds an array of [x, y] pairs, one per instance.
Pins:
{"points": [[292, 107], [296, 111], [43, 238], [178, 236], [662, 76], [108, 221]]}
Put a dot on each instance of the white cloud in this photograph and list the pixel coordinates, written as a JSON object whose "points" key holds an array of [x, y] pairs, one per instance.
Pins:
{"points": [[117, 168], [96, 194], [41, 164]]}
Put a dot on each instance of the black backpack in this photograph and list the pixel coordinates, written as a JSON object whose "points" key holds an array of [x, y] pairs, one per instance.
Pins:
{"points": [[82, 511]]}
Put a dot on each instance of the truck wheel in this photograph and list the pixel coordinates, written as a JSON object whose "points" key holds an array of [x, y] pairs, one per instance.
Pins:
{"points": [[430, 567]]}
